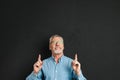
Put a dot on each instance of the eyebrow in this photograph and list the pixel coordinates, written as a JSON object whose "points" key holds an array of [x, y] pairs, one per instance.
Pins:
{"points": [[57, 41]]}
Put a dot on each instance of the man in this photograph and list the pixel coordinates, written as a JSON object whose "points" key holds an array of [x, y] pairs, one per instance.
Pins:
{"points": [[58, 66]]}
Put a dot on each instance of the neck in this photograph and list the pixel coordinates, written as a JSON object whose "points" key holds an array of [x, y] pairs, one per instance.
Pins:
{"points": [[57, 57]]}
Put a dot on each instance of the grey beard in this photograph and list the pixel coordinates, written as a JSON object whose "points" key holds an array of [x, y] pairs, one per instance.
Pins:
{"points": [[57, 51]]}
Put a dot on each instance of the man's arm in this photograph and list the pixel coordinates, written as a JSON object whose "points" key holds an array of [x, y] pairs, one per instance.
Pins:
{"points": [[34, 76], [78, 77], [37, 72], [77, 69]]}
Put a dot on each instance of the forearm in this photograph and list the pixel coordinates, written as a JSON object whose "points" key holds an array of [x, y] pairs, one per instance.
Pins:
{"points": [[79, 76], [34, 76]]}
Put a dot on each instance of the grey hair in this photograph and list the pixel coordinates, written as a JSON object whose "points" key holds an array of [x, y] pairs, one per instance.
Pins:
{"points": [[56, 35]]}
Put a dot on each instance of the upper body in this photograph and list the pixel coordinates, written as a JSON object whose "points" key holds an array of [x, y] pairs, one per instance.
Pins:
{"points": [[58, 66], [52, 71]]}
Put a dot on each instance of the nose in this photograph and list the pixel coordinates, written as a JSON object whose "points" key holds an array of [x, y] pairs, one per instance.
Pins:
{"points": [[57, 43]]}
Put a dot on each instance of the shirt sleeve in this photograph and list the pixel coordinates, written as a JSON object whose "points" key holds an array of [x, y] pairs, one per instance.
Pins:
{"points": [[33, 76], [80, 77]]}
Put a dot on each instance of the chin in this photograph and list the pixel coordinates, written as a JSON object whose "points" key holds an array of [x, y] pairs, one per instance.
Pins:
{"points": [[57, 52]]}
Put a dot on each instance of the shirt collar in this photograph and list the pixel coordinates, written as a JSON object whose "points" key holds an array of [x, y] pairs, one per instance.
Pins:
{"points": [[60, 60]]}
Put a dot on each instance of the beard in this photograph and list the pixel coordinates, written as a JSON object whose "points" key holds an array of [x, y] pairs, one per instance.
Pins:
{"points": [[57, 51]]}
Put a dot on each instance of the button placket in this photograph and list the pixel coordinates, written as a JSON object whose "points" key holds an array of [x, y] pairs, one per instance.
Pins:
{"points": [[55, 76]]}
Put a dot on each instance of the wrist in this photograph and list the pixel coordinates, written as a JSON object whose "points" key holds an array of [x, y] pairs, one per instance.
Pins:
{"points": [[77, 72], [35, 72]]}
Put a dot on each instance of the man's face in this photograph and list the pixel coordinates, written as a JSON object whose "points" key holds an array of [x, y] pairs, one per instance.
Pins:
{"points": [[56, 45]]}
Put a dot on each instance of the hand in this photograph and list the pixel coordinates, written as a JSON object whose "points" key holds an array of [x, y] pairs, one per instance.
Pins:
{"points": [[38, 65], [76, 65]]}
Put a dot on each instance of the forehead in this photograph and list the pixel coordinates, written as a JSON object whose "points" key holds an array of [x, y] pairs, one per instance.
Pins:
{"points": [[56, 38]]}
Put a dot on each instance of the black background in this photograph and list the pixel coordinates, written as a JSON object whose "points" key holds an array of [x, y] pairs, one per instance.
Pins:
{"points": [[89, 28]]}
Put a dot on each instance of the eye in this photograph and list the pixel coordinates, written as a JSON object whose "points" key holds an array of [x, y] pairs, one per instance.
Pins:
{"points": [[53, 42]]}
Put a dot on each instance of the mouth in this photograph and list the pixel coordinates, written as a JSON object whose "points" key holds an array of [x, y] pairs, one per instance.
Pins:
{"points": [[57, 47], [57, 51]]}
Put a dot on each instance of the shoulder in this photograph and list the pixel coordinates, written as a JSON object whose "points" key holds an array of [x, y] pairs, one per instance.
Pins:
{"points": [[67, 58], [47, 62], [47, 59]]}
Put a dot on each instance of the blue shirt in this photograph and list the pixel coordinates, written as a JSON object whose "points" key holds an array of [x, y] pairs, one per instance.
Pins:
{"points": [[56, 71]]}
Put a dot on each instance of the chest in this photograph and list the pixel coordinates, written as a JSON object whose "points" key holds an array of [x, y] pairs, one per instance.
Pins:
{"points": [[60, 71]]}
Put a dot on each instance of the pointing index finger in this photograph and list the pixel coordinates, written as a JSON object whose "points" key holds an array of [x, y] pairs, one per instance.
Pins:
{"points": [[39, 57], [76, 57]]}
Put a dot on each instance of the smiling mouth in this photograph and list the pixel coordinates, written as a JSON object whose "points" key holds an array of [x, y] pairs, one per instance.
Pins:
{"points": [[57, 48], [57, 51]]}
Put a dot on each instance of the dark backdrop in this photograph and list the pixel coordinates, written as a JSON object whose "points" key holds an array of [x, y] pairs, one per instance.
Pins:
{"points": [[89, 28]]}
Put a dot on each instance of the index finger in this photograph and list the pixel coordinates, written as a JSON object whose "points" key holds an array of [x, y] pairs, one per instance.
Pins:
{"points": [[76, 57], [39, 57]]}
